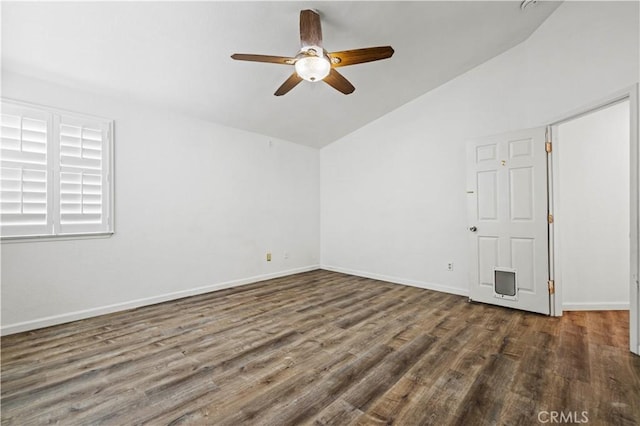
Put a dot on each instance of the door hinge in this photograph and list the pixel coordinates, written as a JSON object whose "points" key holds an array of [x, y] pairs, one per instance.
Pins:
{"points": [[548, 146], [550, 218], [551, 284]]}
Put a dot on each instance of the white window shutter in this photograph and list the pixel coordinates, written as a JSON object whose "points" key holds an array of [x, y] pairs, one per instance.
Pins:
{"points": [[24, 184], [83, 150], [55, 172]]}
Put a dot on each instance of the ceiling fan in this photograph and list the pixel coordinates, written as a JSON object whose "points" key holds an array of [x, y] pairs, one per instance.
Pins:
{"points": [[313, 63]]}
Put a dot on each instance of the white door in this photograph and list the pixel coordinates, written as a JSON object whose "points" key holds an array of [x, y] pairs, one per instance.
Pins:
{"points": [[508, 220]]}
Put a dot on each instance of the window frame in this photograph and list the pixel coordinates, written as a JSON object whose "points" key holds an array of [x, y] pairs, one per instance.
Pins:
{"points": [[53, 170]]}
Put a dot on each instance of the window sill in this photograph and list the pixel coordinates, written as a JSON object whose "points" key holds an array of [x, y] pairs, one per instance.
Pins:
{"points": [[42, 238]]}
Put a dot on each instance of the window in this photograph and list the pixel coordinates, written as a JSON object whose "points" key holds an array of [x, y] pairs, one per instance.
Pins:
{"points": [[55, 172]]}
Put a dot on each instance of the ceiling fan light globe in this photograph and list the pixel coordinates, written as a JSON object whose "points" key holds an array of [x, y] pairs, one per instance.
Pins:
{"points": [[313, 68]]}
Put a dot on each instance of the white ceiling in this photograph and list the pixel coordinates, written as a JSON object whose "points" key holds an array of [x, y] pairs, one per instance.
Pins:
{"points": [[177, 54]]}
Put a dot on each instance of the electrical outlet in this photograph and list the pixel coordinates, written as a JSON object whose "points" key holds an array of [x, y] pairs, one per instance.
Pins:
{"points": [[268, 256], [450, 266]]}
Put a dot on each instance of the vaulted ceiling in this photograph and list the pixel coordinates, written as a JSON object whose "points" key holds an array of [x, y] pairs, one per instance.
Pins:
{"points": [[177, 54]]}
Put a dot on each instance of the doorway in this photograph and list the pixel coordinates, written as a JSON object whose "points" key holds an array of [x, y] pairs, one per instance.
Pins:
{"points": [[628, 99], [591, 210], [494, 173]]}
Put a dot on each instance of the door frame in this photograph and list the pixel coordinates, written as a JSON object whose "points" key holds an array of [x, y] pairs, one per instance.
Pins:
{"points": [[630, 94]]}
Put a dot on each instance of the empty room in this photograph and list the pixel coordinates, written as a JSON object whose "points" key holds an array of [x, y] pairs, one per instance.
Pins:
{"points": [[327, 212]]}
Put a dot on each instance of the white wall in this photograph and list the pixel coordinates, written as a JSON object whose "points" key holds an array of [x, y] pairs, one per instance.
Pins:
{"points": [[592, 210], [393, 192], [197, 206]]}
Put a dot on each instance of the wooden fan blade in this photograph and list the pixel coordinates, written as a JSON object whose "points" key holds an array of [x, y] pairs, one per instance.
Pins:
{"points": [[310, 29], [339, 82], [359, 56], [289, 84], [263, 58]]}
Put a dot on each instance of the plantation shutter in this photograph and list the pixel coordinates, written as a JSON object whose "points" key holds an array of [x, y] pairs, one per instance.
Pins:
{"points": [[83, 175], [24, 178], [55, 172]]}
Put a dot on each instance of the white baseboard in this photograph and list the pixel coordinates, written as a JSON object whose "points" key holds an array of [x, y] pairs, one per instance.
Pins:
{"points": [[396, 280], [612, 306], [108, 309]]}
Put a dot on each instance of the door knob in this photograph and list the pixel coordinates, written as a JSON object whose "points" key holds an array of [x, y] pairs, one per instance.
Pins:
{"points": [[473, 229]]}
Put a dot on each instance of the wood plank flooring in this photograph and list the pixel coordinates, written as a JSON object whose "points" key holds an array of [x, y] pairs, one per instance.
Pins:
{"points": [[327, 349]]}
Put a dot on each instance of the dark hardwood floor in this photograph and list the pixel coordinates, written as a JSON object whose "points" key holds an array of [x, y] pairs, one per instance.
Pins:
{"points": [[323, 348]]}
